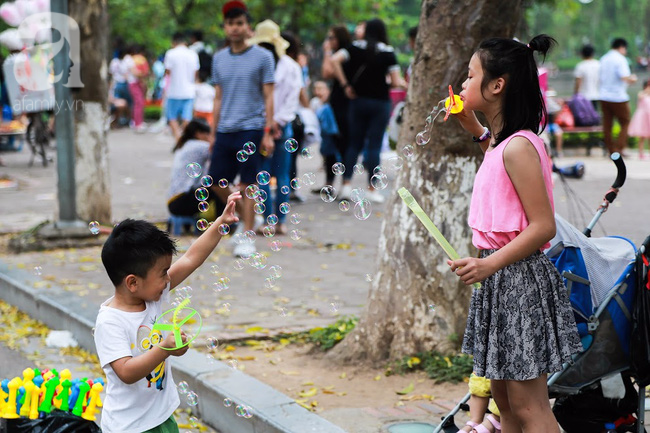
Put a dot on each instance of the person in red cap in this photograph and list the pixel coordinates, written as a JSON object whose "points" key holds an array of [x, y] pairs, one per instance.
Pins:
{"points": [[243, 76]]}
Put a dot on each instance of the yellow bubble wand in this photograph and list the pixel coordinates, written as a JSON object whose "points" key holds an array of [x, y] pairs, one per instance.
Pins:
{"points": [[430, 226]]}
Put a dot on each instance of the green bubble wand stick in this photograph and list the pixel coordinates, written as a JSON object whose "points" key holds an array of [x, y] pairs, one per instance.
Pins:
{"points": [[430, 226]]}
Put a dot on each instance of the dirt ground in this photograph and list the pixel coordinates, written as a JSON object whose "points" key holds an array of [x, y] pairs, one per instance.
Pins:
{"points": [[313, 381]]}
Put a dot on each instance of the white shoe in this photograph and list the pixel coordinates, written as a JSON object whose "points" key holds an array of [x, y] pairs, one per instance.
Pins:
{"points": [[235, 236], [375, 196], [259, 222], [244, 250], [346, 191]]}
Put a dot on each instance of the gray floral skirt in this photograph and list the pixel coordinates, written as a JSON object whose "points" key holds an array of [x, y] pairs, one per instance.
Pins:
{"points": [[520, 323]]}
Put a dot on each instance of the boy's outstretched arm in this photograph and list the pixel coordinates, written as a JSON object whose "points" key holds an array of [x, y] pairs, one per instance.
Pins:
{"points": [[201, 249]]}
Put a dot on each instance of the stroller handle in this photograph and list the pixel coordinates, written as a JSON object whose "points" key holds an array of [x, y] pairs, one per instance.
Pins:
{"points": [[620, 176]]}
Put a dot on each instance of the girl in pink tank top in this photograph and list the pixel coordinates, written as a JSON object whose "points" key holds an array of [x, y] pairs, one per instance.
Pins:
{"points": [[520, 325]]}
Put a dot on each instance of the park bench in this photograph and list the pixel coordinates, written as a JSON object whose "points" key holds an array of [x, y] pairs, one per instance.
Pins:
{"points": [[593, 140]]}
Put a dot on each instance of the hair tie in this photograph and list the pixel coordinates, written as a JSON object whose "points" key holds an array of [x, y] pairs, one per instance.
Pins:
{"points": [[528, 46]]}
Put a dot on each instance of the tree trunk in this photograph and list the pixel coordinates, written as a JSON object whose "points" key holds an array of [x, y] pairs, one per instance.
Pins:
{"points": [[93, 198], [415, 303]]}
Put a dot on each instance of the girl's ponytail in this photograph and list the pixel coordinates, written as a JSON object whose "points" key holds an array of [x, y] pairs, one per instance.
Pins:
{"points": [[542, 43]]}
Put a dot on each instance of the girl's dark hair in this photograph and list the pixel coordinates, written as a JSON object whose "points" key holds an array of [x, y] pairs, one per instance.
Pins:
{"points": [[375, 33], [342, 36], [195, 126], [294, 45], [523, 104], [269, 46]]}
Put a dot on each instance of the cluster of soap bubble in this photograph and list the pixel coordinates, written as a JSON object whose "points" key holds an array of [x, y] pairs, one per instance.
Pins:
{"points": [[241, 410], [180, 294], [248, 149], [424, 137], [191, 397]]}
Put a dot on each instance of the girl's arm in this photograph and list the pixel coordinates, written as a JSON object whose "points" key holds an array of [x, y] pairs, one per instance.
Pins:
{"points": [[523, 165], [203, 246]]}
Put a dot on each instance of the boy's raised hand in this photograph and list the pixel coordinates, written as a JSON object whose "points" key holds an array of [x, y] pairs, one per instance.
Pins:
{"points": [[229, 215]]}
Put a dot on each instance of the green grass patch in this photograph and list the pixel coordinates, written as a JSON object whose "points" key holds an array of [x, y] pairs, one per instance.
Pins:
{"points": [[324, 337], [440, 367]]}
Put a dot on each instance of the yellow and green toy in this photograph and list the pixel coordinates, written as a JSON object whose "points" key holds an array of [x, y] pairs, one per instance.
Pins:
{"points": [[175, 326]]}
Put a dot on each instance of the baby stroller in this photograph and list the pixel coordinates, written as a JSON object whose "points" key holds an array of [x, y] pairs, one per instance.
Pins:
{"points": [[606, 279]]}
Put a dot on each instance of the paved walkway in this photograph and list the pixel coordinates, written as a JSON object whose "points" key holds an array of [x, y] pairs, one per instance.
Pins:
{"points": [[323, 273]]}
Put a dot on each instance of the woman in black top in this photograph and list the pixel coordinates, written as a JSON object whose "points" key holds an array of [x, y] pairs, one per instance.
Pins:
{"points": [[367, 64]]}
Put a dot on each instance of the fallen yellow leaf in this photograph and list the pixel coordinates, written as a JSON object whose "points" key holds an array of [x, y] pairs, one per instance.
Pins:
{"points": [[406, 390], [378, 377], [310, 393]]}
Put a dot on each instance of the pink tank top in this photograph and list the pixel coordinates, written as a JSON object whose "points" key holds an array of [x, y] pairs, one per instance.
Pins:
{"points": [[496, 214]]}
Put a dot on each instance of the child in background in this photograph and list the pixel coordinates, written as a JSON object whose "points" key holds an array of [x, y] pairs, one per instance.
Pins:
{"points": [[479, 403], [328, 129], [140, 391], [204, 99], [640, 123], [520, 325]]}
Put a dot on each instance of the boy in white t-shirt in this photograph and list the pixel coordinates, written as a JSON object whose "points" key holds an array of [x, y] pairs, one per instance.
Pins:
{"points": [[204, 99], [140, 392]]}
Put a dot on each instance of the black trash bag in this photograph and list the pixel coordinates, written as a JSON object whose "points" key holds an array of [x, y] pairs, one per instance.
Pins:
{"points": [[588, 411], [55, 422], [640, 336]]}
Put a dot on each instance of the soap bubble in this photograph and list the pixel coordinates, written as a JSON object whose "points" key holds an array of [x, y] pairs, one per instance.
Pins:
{"points": [[396, 162], [432, 308], [259, 208], [268, 231], [295, 218], [272, 219], [243, 411], [207, 181], [227, 402], [379, 181], [363, 209], [258, 260], [38, 270], [408, 151], [249, 148], [212, 343], [276, 246], [183, 387], [222, 284], [202, 224], [291, 145], [284, 208], [334, 307], [263, 178], [285, 189], [192, 398], [260, 196], [275, 271], [328, 193], [344, 205], [251, 190], [223, 183], [357, 195], [233, 364], [306, 153], [250, 236], [269, 282], [238, 264], [224, 229], [309, 178], [295, 234], [194, 421], [242, 156], [358, 168], [214, 269], [338, 169], [203, 206], [201, 194], [368, 278], [378, 169], [422, 138], [193, 170], [295, 183], [93, 226]]}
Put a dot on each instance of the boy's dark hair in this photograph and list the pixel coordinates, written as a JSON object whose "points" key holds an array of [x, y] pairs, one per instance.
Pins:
{"points": [[413, 32], [133, 248], [618, 43], [235, 9], [587, 51], [178, 38], [197, 35], [523, 104]]}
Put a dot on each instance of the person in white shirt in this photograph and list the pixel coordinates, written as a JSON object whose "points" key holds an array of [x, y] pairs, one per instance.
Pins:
{"points": [[615, 76], [204, 99], [181, 64], [587, 73]]}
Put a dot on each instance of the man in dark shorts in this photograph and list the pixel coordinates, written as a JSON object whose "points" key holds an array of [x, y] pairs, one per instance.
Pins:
{"points": [[243, 112]]}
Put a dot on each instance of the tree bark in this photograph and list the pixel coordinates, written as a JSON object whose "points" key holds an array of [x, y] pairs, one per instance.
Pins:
{"points": [[412, 274], [93, 197]]}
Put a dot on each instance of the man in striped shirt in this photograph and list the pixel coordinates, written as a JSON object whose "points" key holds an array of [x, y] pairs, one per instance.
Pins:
{"points": [[243, 112]]}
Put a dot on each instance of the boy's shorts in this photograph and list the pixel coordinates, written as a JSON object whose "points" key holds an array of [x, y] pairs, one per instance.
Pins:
{"points": [[168, 426], [179, 108], [224, 163]]}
